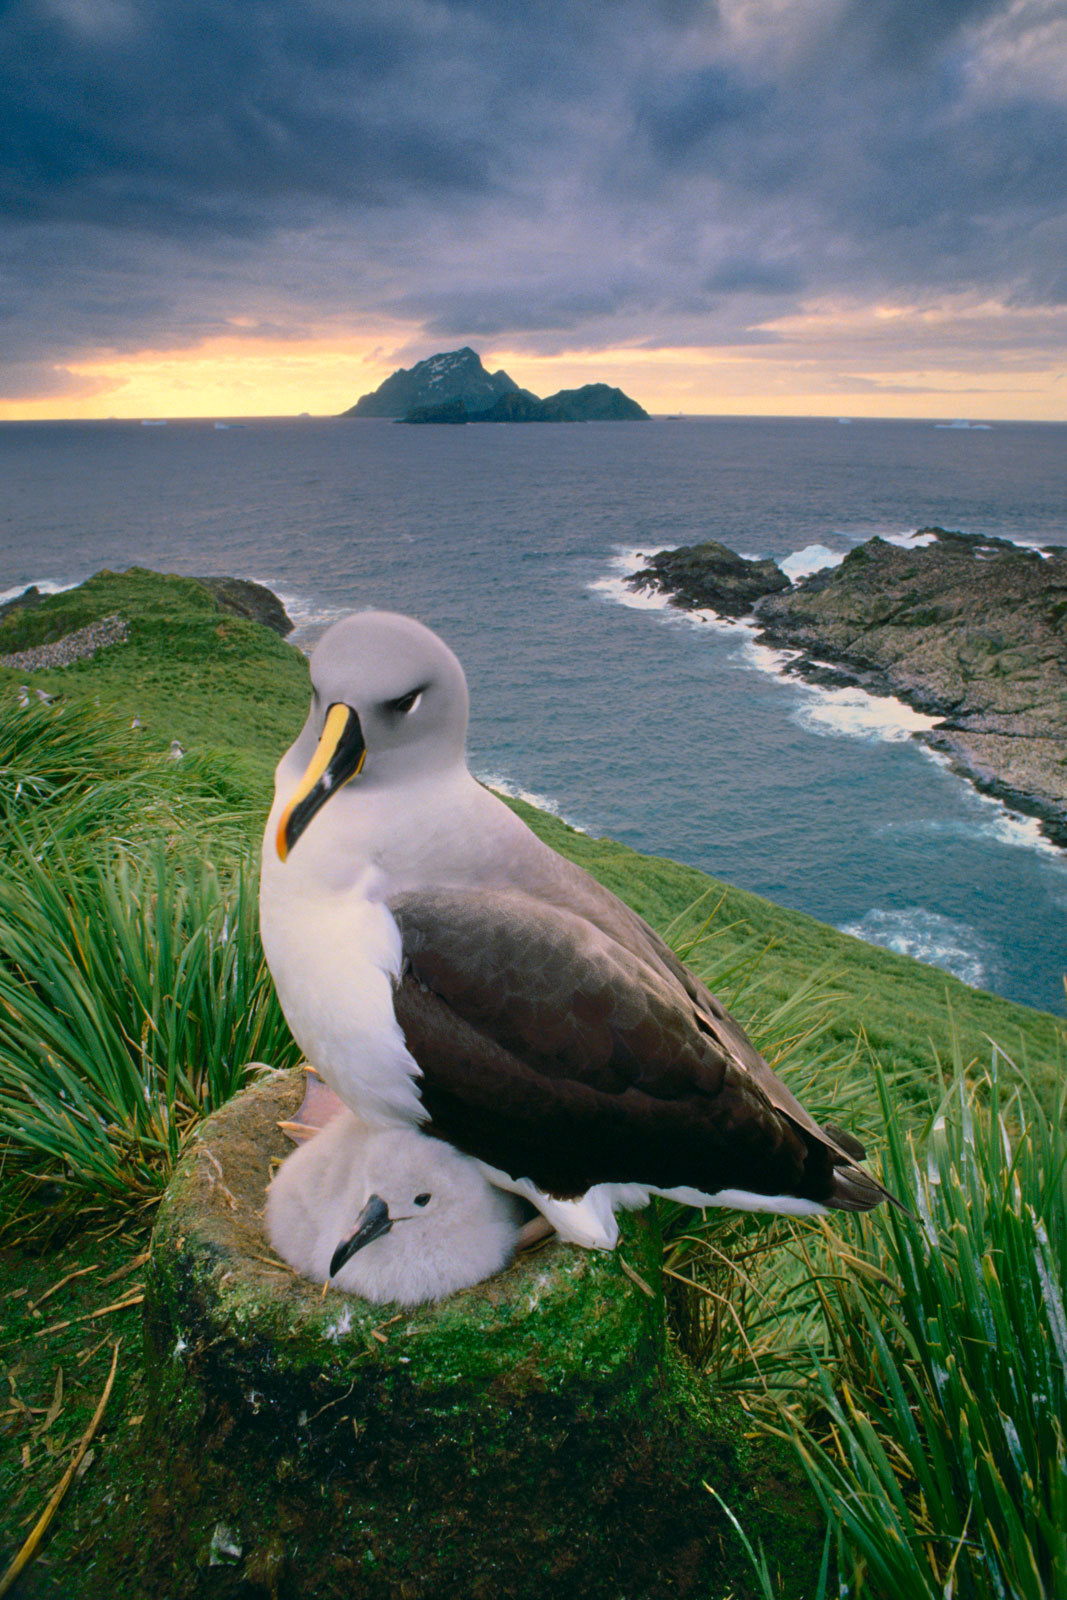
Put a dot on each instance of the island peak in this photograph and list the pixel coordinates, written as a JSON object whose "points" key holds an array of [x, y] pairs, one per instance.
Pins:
{"points": [[454, 387]]}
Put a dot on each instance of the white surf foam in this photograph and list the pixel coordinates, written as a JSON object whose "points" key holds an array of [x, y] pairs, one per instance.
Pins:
{"points": [[515, 791], [916, 541], [1021, 832], [927, 936], [310, 618], [995, 820], [614, 586], [911, 539], [849, 713], [852, 713], [45, 585], [813, 558]]}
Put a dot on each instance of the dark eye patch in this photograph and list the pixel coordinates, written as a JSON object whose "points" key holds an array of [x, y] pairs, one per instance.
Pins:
{"points": [[423, 1199], [404, 702]]}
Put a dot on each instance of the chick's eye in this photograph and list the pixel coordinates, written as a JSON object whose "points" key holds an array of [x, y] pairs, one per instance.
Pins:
{"points": [[405, 702], [423, 1199]]}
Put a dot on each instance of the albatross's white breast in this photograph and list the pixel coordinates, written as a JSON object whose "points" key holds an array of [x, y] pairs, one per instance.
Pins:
{"points": [[334, 957]]}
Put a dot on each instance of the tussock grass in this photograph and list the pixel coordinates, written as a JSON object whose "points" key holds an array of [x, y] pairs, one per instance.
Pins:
{"points": [[133, 989], [133, 992], [941, 1457], [931, 1416], [739, 1284], [82, 777], [44, 753]]}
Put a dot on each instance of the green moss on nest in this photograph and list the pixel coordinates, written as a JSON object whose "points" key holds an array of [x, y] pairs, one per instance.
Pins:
{"points": [[536, 1426]]}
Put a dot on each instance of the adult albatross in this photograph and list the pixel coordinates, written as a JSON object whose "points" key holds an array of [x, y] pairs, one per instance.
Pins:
{"points": [[441, 967]]}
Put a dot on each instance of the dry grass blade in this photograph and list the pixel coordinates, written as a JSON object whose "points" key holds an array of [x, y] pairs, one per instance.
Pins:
{"points": [[40, 1528], [79, 1273]]}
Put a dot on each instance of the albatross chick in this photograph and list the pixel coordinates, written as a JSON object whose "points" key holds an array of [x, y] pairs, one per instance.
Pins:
{"points": [[440, 966], [388, 1214]]}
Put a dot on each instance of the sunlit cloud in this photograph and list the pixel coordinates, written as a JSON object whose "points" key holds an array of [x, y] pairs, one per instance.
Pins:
{"points": [[222, 377], [755, 205]]}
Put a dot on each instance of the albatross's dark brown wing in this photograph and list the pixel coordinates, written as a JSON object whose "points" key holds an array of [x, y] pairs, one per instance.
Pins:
{"points": [[553, 1053]]}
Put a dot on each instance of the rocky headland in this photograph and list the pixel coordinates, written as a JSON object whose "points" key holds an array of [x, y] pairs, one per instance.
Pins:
{"points": [[43, 630], [242, 597], [968, 629]]}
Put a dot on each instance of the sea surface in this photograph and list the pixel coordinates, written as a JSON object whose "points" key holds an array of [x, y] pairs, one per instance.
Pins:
{"points": [[680, 736]]}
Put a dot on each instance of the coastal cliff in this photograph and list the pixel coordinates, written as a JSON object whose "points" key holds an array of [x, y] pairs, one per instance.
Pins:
{"points": [[969, 629]]}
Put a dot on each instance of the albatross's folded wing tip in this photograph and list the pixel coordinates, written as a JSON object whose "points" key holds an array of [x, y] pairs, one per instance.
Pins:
{"points": [[855, 1189]]}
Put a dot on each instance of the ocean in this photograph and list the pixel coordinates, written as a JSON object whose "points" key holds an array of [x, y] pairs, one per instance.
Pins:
{"points": [[679, 735]]}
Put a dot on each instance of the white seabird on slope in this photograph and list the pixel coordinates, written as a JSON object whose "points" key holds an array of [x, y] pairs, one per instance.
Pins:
{"points": [[388, 1214], [443, 968]]}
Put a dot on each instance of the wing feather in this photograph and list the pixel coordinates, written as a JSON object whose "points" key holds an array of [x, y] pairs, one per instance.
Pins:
{"points": [[553, 1052]]}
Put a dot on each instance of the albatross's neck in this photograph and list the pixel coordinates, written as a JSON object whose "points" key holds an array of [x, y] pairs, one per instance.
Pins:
{"points": [[444, 829]]}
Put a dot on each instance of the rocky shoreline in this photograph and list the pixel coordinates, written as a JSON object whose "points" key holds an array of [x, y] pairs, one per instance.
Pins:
{"points": [[967, 629]]}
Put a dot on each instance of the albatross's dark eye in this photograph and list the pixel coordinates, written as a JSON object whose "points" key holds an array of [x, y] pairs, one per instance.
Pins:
{"points": [[406, 702], [423, 1199]]}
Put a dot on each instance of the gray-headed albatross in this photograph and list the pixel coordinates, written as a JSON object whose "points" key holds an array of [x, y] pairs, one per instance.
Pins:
{"points": [[443, 968]]}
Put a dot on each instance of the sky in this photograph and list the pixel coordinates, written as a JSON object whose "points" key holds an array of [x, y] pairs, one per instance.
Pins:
{"points": [[783, 207]]}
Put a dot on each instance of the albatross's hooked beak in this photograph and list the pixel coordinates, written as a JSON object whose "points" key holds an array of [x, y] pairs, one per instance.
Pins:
{"points": [[372, 1222], [340, 755]]}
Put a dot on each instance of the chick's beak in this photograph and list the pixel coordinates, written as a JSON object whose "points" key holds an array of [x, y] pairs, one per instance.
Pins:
{"points": [[372, 1222], [340, 756]]}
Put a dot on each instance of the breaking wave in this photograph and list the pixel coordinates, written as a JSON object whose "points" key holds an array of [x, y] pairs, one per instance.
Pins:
{"points": [[45, 585], [849, 712], [310, 618], [928, 936], [813, 558], [515, 791], [614, 586]]}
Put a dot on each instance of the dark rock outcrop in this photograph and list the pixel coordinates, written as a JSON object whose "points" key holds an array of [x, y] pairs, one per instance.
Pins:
{"points": [[253, 601], [450, 375], [710, 576], [969, 629], [454, 387], [593, 402], [447, 411], [22, 602]]}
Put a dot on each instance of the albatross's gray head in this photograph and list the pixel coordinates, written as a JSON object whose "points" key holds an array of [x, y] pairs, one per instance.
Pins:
{"points": [[389, 703], [388, 1214]]}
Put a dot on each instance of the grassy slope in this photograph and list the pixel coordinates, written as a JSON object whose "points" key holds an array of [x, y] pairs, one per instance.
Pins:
{"points": [[902, 1006], [214, 681], [189, 670], [224, 685]]}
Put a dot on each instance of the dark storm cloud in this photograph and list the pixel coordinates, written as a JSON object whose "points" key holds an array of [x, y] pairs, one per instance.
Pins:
{"points": [[174, 117], [906, 35], [559, 172]]}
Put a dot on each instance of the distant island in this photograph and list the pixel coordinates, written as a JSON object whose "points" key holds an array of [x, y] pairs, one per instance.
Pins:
{"points": [[454, 387], [969, 629]]}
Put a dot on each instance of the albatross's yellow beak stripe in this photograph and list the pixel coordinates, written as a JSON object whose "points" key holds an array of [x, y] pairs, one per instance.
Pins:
{"points": [[339, 756]]}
